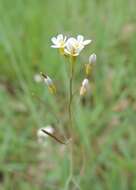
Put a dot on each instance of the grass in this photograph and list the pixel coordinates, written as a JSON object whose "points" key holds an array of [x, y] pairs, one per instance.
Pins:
{"points": [[105, 122]]}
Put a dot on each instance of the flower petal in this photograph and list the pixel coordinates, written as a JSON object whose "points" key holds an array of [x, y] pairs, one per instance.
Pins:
{"points": [[85, 82], [65, 38], [60, 37], [70, 43], [55, 46], [86, 42], [71, 40], [67, 52], [92, 58], [80, 38], [54, 40], [80, 48], [69, 46]]}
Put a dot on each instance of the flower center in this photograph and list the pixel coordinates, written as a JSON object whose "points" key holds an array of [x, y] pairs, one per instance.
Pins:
{"points": [[62, 43]]}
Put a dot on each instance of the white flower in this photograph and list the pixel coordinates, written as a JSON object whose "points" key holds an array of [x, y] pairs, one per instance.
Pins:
{"points": [[84, 87], [59, 41], [75, 46], [92, 58]]}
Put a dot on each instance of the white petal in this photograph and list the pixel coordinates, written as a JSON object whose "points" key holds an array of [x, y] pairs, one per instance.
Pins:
{"points": [[80, 38], [92, 58], [55, 46], [65, 38], [86, 42], [71, 40], [67, 52], [71, 43], [85, 83], [54, 40], [69, 46], [80, 49], [60, 37]]}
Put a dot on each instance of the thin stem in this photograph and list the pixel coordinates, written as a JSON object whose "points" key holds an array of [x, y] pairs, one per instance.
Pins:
{"points": [[70, 93], [70, 121]]}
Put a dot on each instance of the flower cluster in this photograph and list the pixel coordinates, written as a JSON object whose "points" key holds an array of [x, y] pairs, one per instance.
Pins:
{"points": [[72, 47], [69, 46]]}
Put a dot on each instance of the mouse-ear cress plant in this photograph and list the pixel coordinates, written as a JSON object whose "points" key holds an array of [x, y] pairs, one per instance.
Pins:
{"points": [[70, 48]]}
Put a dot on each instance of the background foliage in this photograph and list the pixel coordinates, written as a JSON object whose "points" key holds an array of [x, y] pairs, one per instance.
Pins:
{"points": [[105, 121]]}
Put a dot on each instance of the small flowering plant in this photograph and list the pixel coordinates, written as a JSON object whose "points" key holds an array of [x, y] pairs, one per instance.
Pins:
{"points": [[70, 48]]}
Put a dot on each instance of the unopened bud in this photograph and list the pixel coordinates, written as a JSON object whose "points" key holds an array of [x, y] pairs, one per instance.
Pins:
{"points": [[92, 58], [85, 83], [84, 87], [88, 67], [48, 81]]}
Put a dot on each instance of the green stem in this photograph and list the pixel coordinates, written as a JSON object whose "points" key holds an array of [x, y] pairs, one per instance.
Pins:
{"points": [[71, 93], [70, 122]]}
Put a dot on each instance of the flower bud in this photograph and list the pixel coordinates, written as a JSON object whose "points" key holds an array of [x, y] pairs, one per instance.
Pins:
{"points": [[88, 67], [85, 83], [92, 58], [48, 81], [84, 87]]}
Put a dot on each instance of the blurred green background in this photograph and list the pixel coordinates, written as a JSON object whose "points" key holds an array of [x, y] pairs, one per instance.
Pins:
{"points": [[105, 122]]}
